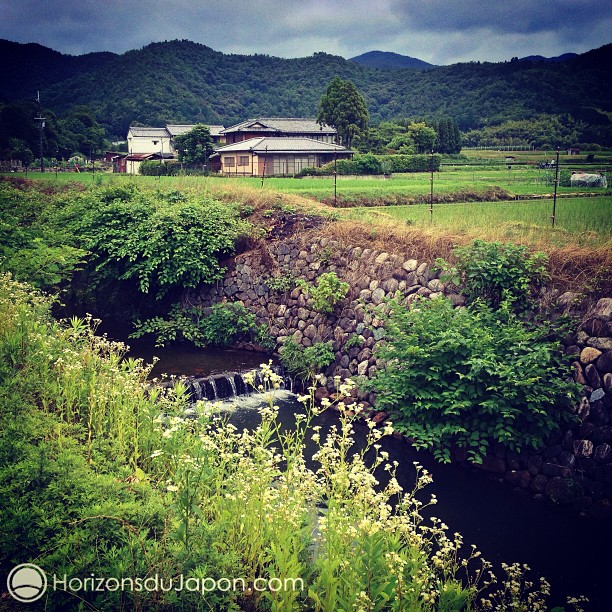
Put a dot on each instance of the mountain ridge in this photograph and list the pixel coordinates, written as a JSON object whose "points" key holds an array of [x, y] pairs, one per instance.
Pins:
{"points": [[182, 81]]}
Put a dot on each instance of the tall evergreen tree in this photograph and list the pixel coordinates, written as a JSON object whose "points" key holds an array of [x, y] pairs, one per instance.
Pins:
{"points": [[344, 108], [449, 137]]}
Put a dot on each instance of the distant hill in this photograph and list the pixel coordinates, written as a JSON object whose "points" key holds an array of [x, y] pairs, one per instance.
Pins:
{"points": [[26, 68], [184, 82], [540, 58], [387, 59]]}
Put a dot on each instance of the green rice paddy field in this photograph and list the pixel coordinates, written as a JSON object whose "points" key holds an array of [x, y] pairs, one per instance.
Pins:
{"points": [[588, 220], [584, 221]]}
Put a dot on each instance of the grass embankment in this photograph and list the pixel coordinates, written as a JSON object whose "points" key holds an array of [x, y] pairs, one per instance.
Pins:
{"points": [[579, 246]]}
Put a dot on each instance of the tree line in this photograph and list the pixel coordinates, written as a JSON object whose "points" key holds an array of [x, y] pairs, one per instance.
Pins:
{"points": [[183, 82]]}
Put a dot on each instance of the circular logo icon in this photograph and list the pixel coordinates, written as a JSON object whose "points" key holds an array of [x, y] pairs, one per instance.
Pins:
{"points": [[26, 582]]}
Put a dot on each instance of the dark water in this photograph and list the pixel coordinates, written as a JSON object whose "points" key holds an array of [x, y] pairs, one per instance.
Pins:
{"points": [[506, 524], [182, 360]]}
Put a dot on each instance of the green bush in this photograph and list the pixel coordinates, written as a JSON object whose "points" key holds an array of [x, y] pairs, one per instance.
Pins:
{"points": [[29, 250], [155, 168], [411, 163], [367, 163], [306, 361], [328, 291], [159, 243], [492, 272], [470, 377], [225, 324]]}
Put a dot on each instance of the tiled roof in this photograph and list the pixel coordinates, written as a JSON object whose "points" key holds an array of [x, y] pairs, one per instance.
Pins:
{"points": [[293, 125], [282, 145], [154, 132], [176, 130]]}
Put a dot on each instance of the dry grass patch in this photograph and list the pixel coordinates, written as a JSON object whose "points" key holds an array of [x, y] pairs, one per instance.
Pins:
{"points": [[580, 269]]}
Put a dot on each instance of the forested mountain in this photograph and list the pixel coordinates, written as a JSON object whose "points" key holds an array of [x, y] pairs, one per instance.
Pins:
{"points": [[387, 59], [182, 81]]}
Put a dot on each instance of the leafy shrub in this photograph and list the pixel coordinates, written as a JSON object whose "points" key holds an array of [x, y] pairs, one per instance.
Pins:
{"points": [[492, 272], [471, 376], [155, 168], [368, 163], [226, 324], [411, 163], [328, 291], [28, 249], [160, 244], [281, 283], [306, 361]]}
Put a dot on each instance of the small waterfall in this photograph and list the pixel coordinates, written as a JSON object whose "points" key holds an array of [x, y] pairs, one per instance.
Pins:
{"points": [[197, 389], [227, 385], [232, 382]]}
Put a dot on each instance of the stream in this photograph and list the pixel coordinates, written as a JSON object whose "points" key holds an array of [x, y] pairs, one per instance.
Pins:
{"points": [[507, 525]]}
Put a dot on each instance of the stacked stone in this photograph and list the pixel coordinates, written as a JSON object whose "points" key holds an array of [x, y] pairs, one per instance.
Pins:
{"points": [[576, 464], [373, 277]]}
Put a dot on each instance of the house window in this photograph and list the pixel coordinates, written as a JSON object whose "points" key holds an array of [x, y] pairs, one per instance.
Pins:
{"points": [[243, 160], [229, 162]]}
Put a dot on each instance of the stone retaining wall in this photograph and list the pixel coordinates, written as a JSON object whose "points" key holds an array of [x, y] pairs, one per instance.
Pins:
{"points": [[575, 466]]}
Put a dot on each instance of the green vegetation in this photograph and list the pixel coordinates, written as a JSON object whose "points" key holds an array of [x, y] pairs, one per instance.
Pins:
{"points": [[470, 377], [495, 273], [306, 362], [110, 474], [32, 250], [343, 108], [578, 221], [543, 131], [134, 249], [194, 147], [281, 283], [162, 241], [106, 481], [367, 163], [328, 291], [222, 325], [76, 134], [211, 87]]}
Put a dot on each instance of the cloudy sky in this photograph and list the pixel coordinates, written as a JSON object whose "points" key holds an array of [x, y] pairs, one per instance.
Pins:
{"points": [[437, 31]]}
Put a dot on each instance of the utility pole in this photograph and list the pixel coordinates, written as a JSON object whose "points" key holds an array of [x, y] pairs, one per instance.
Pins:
{"points": [[335, 179], [41, 126], [431, 181], [263, 175], [554, 210]]}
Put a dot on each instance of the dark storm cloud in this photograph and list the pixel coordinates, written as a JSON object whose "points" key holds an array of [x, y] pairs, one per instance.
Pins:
{"points": [[439, 31]]}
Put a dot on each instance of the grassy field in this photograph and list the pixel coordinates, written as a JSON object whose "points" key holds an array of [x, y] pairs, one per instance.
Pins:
{"points": [[579, 221], [521, 179]]}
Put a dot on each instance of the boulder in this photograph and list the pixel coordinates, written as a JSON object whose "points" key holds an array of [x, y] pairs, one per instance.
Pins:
{"points": [[410, 265], [603, 308], [578, 373], [492, 464], [594, 327], [592, 376], [378, 295], [589, 355], [603, 453], [559, 491], [604, 363], [583, 448], [602, 344]]}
